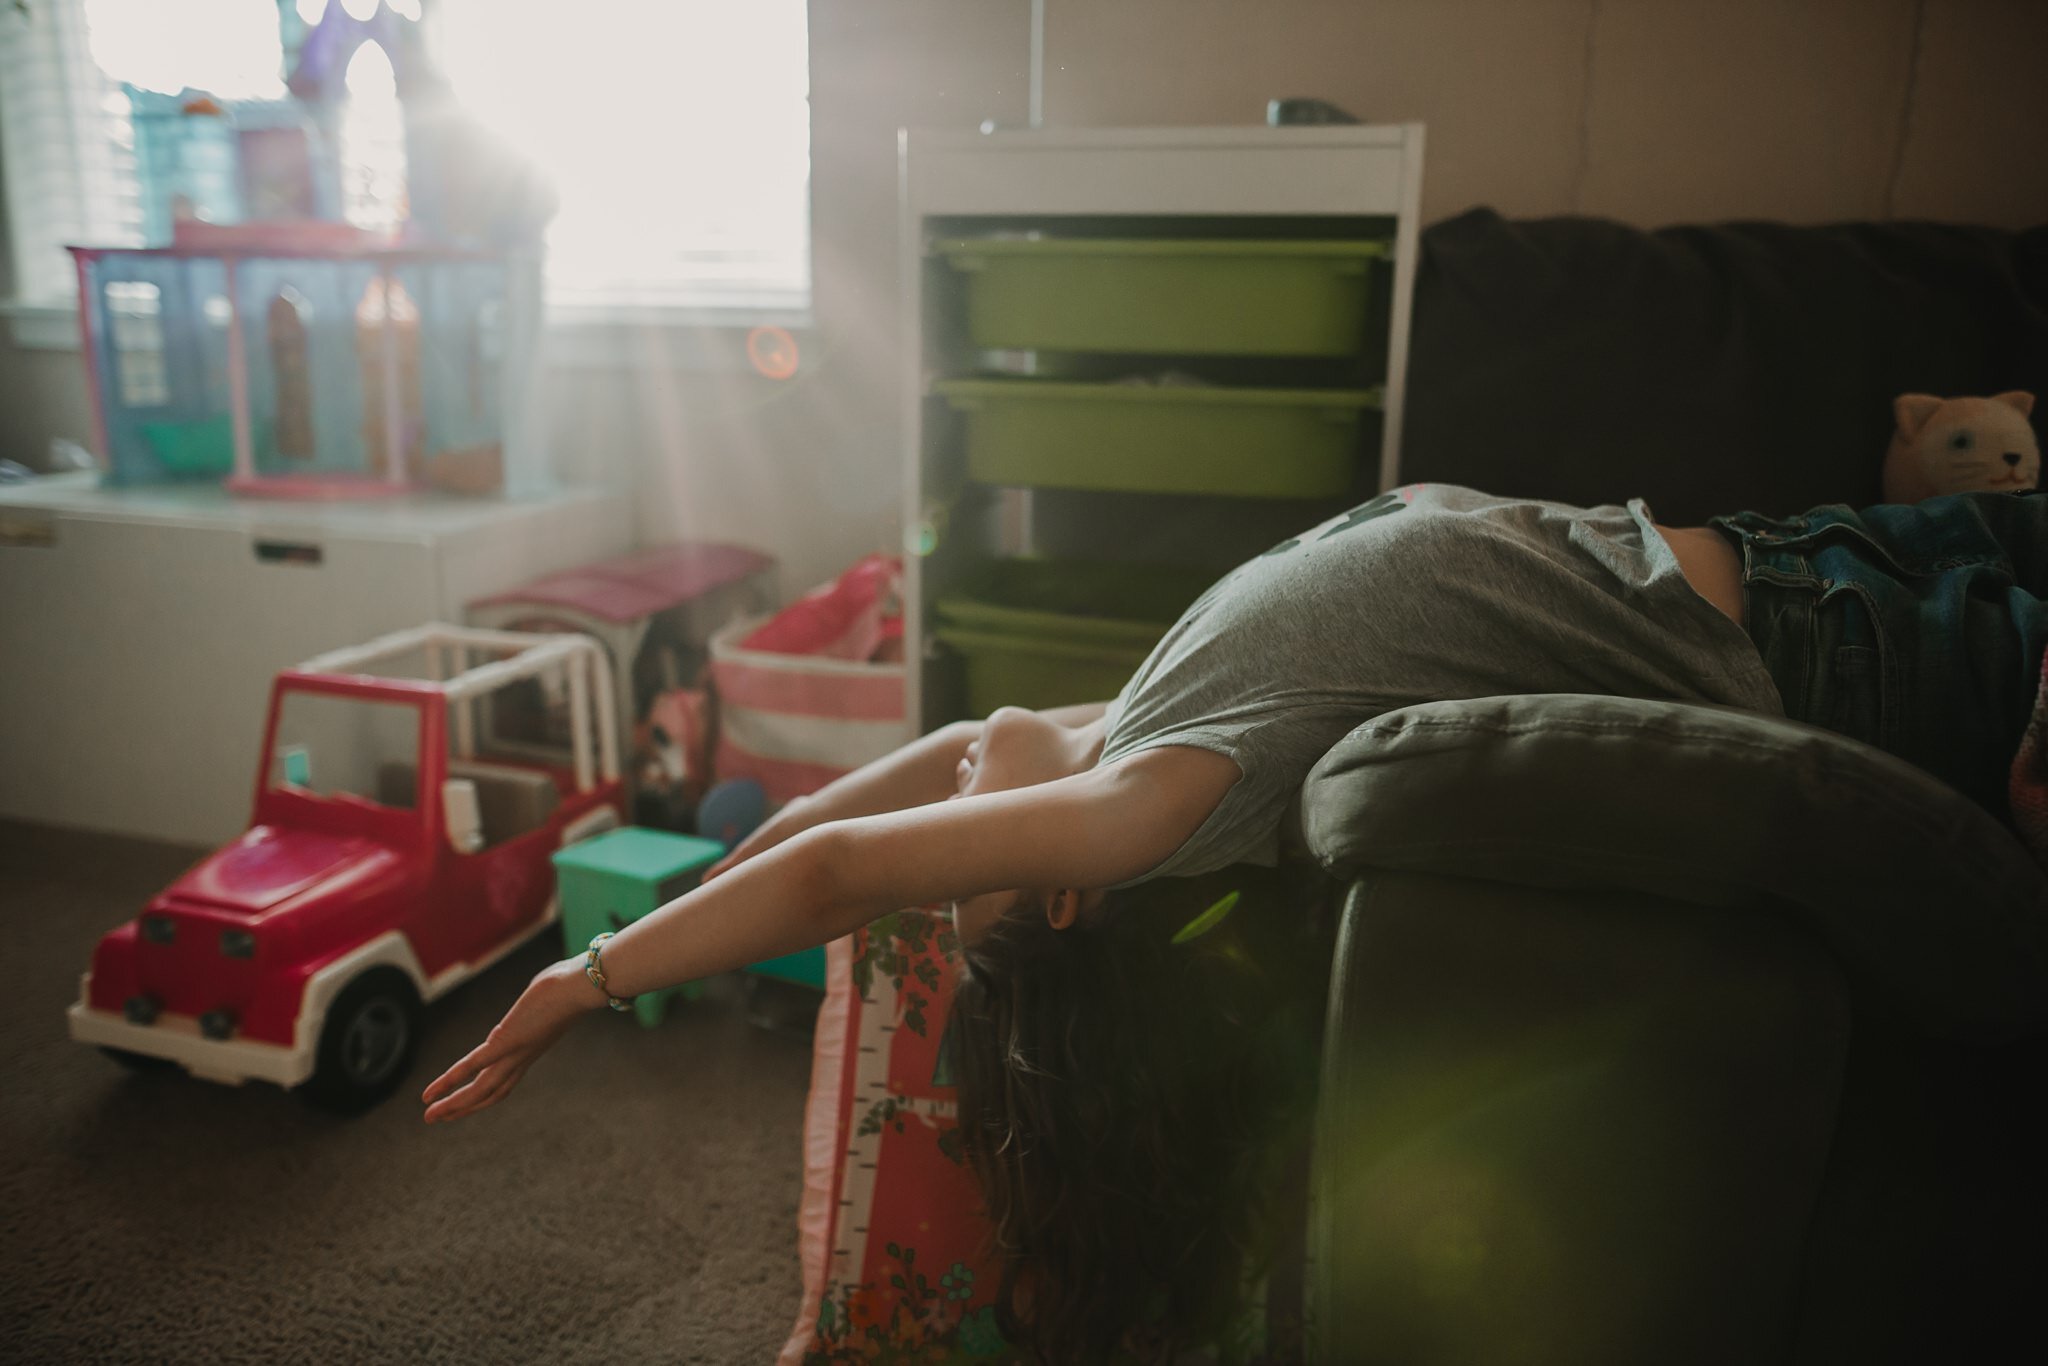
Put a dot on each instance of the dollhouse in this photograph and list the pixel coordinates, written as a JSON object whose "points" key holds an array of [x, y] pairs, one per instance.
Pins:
{"points": [[305, 359], [261, 341]]}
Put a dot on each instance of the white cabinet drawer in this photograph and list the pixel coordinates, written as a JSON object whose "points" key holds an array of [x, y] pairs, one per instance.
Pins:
{"points": [[136, 653]]}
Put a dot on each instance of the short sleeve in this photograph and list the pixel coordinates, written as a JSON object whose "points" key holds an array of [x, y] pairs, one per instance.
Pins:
{"points": [[1272, 761]]}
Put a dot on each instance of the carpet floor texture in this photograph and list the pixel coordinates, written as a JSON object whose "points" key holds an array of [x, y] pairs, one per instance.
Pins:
{"points": [[633, 1201]]}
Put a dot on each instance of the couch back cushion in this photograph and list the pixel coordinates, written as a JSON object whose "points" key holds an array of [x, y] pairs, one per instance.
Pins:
{"points": [[1936, 912], [1709, 369]]}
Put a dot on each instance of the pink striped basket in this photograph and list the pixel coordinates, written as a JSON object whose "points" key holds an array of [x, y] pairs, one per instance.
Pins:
{"points": [[795, 722]]}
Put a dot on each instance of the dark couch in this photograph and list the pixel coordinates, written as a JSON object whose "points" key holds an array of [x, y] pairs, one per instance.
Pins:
{"points": [[1662, 1033]]}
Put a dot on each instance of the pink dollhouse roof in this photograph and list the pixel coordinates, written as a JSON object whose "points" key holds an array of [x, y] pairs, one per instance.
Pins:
{"points": [[639, 585]]}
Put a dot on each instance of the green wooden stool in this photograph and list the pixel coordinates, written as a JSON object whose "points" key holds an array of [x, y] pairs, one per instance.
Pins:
{"points": [[611, 881]]}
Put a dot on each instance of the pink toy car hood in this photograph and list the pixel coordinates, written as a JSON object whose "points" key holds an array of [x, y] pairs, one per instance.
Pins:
{"points": [[268, 865]]}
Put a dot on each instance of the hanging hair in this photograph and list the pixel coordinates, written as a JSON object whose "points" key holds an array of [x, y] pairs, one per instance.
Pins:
{"points": [[1133, 1107]]}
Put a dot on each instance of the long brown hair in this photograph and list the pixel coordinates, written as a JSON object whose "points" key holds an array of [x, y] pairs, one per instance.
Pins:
{"points": [[1130, 1105]]}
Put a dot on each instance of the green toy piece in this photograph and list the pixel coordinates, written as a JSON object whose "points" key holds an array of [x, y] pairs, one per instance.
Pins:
{"points": [[608, 882], [613, 879]]}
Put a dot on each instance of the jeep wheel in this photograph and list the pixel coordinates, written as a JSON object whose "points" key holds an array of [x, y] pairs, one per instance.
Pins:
{"points": [[366, 1045]]}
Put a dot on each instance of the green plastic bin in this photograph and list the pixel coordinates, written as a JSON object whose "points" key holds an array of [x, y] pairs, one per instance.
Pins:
{"points": [[1048, 633], [1141, 438], [1183, 297]]}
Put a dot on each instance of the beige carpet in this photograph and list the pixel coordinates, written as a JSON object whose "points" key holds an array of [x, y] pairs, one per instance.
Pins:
{"points": [[634, 1201]]}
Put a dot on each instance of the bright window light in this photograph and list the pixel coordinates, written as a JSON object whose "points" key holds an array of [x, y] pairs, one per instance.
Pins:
{"points": [[677, 136], [228, 48], [675, 133], [372, 142]]}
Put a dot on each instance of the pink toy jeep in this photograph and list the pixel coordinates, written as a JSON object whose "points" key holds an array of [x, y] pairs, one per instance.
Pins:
{"points": [[410, 794]]}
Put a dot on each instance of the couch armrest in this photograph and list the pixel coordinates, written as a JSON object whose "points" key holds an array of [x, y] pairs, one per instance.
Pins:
{"points": [[1937, 913]]}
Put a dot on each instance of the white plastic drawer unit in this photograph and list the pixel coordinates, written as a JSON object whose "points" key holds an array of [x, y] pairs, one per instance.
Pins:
{"points": [[1166, 346], [140, 629]]}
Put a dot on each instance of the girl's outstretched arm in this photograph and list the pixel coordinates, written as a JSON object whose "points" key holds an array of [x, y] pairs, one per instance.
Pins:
{"points": [[917, 773], [1095, 828]]}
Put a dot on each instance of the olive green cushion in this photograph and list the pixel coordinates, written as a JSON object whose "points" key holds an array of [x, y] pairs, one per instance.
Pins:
{"points": [[1937, 913]]}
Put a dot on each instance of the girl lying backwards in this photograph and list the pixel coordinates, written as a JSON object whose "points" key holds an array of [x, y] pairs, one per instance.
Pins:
{"points": [[1072, 843]]}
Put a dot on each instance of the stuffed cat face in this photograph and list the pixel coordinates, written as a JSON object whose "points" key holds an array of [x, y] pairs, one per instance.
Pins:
{"points": [[1961, 445]]}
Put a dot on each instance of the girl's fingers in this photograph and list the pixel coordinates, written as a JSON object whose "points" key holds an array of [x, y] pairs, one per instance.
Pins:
{"points": [[443, 1084], [463, 1102], [483, 1075], [487, 1090], [501, 1089], [461, 1077], [450, 1108], [473, 1061], [478, 1080]]}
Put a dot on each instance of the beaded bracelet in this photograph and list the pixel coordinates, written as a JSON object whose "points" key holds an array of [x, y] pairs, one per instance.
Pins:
{"points": [[594, 970]]}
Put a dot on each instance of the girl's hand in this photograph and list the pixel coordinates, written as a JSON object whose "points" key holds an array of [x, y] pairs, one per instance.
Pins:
{"points": [[556, 998], [797, 816]]}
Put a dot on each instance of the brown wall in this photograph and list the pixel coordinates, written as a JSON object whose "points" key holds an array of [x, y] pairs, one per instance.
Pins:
{"points": [[1651, 111]]}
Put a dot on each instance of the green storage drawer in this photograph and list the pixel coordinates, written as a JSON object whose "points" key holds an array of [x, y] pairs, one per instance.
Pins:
{"points": [[1019, 671], [1185, 297], [1048, 633], [1246, 443]]}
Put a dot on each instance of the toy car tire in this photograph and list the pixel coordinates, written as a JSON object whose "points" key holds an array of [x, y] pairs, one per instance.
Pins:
{"points": [[139, 1062], [367, 1044]]}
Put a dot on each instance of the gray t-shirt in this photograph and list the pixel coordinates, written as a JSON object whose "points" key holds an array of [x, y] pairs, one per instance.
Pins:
{"points": [[1428, 593]]}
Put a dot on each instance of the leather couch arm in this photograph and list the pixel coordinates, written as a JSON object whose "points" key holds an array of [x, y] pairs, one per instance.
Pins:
{"points": [[1937, 913]]}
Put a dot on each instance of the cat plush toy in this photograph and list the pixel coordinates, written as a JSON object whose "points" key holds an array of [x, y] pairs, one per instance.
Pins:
{"points": [[1960, 445]]}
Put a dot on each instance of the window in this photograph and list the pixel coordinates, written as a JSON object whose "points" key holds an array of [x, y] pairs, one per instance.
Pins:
{"points": [[675, 134], [372, 141], [68, 148], [357, 747], [135, 327]]}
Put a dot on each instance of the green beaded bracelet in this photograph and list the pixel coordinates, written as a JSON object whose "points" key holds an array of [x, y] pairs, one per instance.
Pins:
{"points": [[594, 970]]}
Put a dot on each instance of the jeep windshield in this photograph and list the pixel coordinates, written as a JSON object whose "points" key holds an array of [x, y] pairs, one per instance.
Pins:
{"points": [[349, 749]]}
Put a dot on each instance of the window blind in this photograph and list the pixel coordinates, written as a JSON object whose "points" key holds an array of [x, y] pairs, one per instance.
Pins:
{"points": [[66, 146]]}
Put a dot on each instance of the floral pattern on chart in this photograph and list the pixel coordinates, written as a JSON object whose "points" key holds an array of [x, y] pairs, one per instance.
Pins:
{"points": [[893, 1112], [922, 1321], [905, 947]]}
